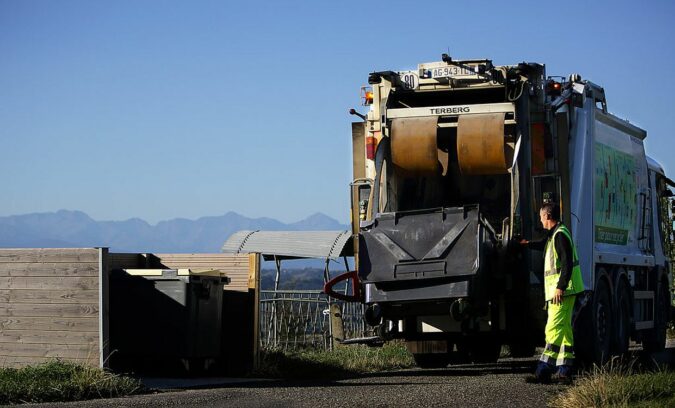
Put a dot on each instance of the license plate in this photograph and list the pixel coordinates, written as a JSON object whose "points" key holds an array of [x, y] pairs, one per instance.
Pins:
{"points": [[452, 72]]}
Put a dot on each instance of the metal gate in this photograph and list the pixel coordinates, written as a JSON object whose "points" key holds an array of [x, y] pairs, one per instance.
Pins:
{"points": [[298, 319]]}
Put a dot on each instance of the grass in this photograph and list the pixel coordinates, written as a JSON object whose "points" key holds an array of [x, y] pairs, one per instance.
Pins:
{"points": [[619, 385], [670, 333], [62, 381], [341, 362]]}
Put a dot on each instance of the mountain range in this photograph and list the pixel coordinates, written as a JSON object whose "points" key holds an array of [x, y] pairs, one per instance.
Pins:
{"points": [[66, 229]]}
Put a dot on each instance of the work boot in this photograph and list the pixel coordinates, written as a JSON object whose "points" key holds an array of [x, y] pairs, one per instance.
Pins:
{"points": [[543, 373], [563, 375]]}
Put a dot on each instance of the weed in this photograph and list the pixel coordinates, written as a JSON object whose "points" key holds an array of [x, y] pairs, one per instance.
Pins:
{"points": [[619, 384], [62, 381], [341, 362], [670, 333]]}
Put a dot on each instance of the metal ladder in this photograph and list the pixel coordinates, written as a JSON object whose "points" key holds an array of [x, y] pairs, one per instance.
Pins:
{"points": [[644, 241]]}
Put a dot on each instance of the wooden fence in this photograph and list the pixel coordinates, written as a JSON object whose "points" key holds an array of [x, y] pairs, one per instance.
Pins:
{"points": [[52, 305], [240, 326]]}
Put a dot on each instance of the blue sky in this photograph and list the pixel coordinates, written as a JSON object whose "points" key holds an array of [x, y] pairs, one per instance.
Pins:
{"points": [[165, 109]]}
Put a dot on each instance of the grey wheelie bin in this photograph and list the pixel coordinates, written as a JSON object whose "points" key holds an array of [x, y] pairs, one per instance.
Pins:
{"points": [[166, 319]]}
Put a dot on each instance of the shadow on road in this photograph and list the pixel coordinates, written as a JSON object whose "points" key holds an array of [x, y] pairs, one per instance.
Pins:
{"points": [[307, 374], [406, 377], [520, 366]]}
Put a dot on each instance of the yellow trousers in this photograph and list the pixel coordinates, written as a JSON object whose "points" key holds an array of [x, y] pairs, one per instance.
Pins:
{"points": [[559, 348]]}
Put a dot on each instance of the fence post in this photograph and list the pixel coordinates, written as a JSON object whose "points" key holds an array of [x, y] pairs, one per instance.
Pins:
{"points": [[336, 324], [277, 275]]}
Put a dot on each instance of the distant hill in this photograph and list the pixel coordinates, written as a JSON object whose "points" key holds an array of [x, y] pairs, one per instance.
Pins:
{"points": [[205, 235], [306, 278]]}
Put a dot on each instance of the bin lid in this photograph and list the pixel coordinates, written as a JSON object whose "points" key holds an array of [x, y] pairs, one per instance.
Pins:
{"points": [[178, 271]]}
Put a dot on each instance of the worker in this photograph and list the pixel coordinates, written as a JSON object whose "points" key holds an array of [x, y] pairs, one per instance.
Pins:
{"points": [[562, 281]]}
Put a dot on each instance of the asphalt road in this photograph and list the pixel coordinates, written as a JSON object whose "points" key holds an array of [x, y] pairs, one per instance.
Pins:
{"points": [[488, 385], [495, 385]]}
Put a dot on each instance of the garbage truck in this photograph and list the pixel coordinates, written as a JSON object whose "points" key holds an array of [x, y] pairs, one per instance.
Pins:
{"points": [[451, 164]]}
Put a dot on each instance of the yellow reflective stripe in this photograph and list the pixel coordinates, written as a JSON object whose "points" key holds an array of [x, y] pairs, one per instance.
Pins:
{"points": [[556, 271], [553, 347], [547, 359], [559, 348], [549, 258]]}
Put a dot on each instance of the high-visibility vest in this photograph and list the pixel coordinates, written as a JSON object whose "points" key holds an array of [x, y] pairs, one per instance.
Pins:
{"points": [[552, 267]]}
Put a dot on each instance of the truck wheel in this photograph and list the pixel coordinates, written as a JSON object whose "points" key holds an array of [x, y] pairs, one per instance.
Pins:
{"points": [[481, 350], [460, 356], [488, 353], [601, 323], [655, 339], [431, 360], [522, 348], [622, 318]]}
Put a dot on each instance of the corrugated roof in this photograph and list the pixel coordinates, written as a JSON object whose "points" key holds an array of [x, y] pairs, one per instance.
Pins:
{"points": [[291, 244]]}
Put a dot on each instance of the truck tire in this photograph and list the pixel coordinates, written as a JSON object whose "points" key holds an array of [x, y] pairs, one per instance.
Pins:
{"points": [[431, 360], [622, 318], [489, 352], [654, 340], [480, 350], [601, 323], [459, 357], [521, 349]]}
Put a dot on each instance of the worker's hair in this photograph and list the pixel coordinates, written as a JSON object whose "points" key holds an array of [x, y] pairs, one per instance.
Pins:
{"points": [[552, 210]]}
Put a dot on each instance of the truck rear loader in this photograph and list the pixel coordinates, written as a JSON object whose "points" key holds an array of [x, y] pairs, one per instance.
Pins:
{"points": [[451, 164]]}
